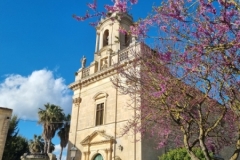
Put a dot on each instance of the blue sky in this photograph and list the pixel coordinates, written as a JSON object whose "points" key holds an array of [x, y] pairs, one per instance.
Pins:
{"points": [[40, 49]]}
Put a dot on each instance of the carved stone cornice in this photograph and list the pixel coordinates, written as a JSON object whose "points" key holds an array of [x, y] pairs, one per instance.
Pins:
{"points": [[99, 75], [124, 59], [75, 85], [94, 78]]}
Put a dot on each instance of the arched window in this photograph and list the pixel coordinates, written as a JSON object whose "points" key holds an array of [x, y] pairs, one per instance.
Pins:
{"points": [[99, 114], [98, 157], [100, 107], [105, 38]]}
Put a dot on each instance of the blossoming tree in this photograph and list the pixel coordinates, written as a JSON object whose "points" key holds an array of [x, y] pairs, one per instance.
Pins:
{"points": [[189, 84]]}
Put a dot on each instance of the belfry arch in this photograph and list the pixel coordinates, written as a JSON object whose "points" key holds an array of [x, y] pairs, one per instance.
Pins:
{"points": [[106, 38]]}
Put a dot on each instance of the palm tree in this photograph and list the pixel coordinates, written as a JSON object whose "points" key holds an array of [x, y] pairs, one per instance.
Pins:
{"points": [[51, 118], [63, 134], [36, 145]]}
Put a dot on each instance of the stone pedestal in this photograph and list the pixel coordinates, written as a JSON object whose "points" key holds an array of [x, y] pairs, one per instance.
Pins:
{"points": [[38, 156]]}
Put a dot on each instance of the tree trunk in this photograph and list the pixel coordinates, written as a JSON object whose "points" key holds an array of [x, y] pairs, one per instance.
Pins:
{"points": [[60, 156], [204, 149], [45, 146], [237, 150], [186, 145], [48, 146], [192, 155], [202, 144]]}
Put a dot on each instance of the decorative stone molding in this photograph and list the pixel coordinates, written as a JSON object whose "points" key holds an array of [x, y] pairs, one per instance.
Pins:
{"points": [[105, 48], [115, 60], [93, 78], [105, 138], [77, 101], [117, 158], [76, 85], [100, 95], [123, 56], [99, 75], [104, 63], [85, 72], [98, 143]]}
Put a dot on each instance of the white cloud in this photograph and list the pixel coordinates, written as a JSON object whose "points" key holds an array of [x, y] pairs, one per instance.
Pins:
{"points": [[26, 94], [57, 152], [57, 148], [64, 157]]}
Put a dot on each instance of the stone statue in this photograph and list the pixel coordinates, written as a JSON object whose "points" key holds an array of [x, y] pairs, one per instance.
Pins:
{"points": [[83, 61], [104, 65]]}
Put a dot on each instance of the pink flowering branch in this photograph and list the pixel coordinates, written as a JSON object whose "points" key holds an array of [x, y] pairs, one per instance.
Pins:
{"points": [[169, 107], [118, 6], [189, 83]]}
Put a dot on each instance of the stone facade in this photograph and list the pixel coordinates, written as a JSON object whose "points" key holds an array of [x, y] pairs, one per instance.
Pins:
{"points": [[5, 116], [94, 93]]}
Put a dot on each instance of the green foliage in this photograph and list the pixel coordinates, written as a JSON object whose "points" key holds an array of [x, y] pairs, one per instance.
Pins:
{"points": [[16, 145], [181, 154], [63, 134], [13, 130], [36, 145], [52, 147], [51, 118]]}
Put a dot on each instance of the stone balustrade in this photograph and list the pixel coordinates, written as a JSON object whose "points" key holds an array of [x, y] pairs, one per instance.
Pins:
{"points": [[104, 64]]}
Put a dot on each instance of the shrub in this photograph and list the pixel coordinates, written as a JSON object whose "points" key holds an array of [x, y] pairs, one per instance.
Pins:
{"points": [[181, 154]]}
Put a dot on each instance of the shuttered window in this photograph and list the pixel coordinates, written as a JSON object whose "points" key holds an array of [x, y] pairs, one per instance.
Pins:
{"points": [[99, 114]]}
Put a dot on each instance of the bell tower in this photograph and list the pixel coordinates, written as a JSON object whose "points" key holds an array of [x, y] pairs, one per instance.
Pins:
{"points": [[99, 110], [109, 39]]}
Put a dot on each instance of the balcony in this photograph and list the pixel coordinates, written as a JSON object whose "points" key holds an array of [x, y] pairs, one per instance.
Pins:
{"points": [[107, 63]]}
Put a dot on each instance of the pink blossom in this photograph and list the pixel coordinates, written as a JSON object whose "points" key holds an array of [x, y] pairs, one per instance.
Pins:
{"points": [[200, 48], [159, 93], [166, 56], [120, 5], [94, 24], [123, 31], [134, 30], [93, 6], [133, 1], [78, 18], [164, 28], [109, 8]]}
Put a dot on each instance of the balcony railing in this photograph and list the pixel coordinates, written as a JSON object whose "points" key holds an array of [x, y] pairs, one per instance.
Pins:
{"points": [[123, 56], [85, 72], [116, 58]]}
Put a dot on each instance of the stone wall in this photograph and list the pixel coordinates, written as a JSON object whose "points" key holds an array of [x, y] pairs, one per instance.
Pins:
{"points": [[39, 156], [5, 116]]}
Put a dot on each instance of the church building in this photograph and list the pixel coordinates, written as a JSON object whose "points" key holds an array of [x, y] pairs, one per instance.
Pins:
{"points": [[99, 111]]}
